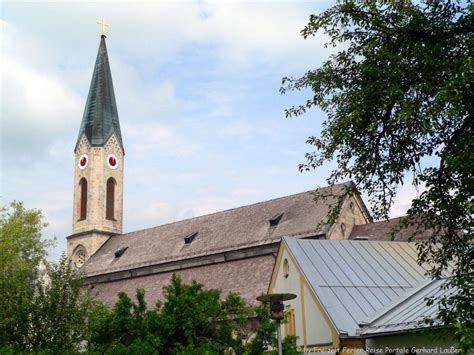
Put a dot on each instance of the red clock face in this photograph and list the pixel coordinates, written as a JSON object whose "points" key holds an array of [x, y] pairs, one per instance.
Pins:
{"points": [[83, 160], [112, 161]]}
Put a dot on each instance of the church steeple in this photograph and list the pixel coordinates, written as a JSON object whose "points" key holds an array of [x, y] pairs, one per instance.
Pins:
{"points": [[98, 174], [100, 119]]}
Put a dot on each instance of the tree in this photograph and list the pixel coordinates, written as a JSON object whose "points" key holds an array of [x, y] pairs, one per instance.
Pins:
{"points": [[191, 320], [21, 250], [398, 94], [42, 308], [264, 339]]}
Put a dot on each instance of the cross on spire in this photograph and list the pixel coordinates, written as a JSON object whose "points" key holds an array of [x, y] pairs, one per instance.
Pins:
{"points": [[103, 23]]}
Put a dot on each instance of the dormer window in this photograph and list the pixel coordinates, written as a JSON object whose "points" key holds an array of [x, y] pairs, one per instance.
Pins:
{"points": [[189, 238], [120, 252], [275, 219]]}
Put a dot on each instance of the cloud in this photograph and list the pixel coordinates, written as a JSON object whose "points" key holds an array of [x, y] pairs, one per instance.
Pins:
{"points": [[405, 195], [245, 130], [36, 107], [191, 82], [160, 138], [262, 32], [154, 32]]}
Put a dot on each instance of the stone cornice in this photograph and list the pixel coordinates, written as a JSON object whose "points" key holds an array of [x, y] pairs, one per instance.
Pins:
{"points": [[93, 231], [176, 265]]}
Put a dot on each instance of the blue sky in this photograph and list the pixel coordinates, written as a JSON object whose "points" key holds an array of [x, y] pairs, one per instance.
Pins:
{"points": [[196, 85]]}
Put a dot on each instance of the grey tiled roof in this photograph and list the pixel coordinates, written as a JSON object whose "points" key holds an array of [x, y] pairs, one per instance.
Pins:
{"points": [[355, 279], [100, 119], [227, 230], [409, 311], [382, 231]]}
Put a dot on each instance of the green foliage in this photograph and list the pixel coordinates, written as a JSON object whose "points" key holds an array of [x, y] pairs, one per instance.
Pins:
{"points": [[21, 249], [59, 310], [465, 334], [399, 96], [45, 309], [265, 331], [192, 315], [264, 337], [191, 320], [41, 306], [21, 245]]}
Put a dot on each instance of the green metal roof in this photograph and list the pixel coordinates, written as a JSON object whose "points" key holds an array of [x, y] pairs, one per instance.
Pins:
{"points": [[100, 119]]}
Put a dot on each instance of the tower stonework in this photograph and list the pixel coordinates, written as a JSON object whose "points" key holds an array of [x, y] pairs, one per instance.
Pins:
{"points": [[98, 169]]}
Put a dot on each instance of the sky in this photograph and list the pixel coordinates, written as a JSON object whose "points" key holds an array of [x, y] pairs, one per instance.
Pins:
{"points": [[197, 90]]}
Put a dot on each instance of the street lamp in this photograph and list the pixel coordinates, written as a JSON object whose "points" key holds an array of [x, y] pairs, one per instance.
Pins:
{"points": [[277, 310]]}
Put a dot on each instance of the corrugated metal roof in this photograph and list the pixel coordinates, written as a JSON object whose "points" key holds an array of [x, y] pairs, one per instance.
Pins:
{"points": [[100, 119], [355, 279], [409, 311]]}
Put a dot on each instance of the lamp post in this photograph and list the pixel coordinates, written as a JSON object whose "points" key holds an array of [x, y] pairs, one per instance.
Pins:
{"points": [[277, 310]]}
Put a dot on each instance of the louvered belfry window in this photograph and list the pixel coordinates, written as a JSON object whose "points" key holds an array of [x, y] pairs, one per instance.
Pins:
{"points": [[83, 202], [110, 199]]}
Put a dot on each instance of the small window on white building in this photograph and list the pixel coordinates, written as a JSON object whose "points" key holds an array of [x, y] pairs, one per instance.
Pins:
{"points": [[286, 268], [290, 325]]}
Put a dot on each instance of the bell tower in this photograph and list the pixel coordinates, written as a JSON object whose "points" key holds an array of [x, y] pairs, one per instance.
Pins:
{"points": [[98, 167]]}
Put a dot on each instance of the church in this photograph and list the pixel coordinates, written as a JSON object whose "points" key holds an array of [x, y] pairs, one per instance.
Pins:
{"points": [[233, 250]]}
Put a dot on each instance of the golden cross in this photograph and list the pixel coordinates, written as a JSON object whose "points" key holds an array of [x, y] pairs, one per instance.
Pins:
{"points": [[104, 25]]}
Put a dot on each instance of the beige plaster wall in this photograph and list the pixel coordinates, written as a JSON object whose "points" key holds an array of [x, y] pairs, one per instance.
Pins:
{"points": [[311, 327]]}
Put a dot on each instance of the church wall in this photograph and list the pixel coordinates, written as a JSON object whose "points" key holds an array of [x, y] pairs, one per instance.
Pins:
{"points": [[82, 148], [249, 277], [90, 241], [352, 213], [96, 173]]}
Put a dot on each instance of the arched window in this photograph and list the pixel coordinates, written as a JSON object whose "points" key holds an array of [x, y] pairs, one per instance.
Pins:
{"points": [[343, 229], [110, 199], [286, 269], [83, 201], [79, 256]]}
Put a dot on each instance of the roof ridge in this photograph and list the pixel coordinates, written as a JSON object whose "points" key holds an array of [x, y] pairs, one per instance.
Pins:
{"points": [[234, 208], [384, 221]]}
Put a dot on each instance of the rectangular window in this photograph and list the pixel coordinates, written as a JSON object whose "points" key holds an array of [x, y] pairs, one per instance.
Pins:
{"points": [[290, 328]]}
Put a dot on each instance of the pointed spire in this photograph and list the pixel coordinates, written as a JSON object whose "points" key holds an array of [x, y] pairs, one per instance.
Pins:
{"points": [[100, 119]]}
